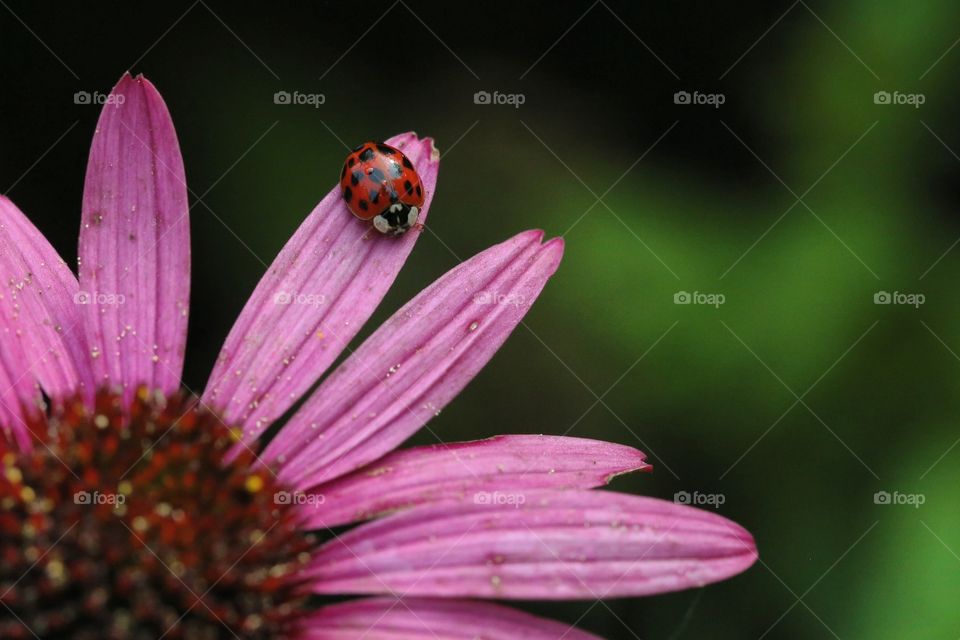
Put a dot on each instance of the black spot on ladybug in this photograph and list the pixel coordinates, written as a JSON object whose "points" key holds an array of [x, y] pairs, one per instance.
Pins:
{"points": [[385, 150], [393, 194], [374, 196], [407, 163], [376, 175], [408, 187], [395, 170], [343, 172], [366, 155], [352, 161], [347, 194], [363, 205], [419, 191], [356, 177]]}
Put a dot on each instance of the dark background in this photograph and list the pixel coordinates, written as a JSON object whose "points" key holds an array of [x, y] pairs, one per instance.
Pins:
{"points": [[796, 400]]}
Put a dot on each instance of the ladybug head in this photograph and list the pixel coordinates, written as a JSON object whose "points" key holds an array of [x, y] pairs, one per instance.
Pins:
{"points": [[397, 219]]}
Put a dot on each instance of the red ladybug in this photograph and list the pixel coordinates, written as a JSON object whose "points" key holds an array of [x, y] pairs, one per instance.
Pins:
{"points": [[379, 183]]}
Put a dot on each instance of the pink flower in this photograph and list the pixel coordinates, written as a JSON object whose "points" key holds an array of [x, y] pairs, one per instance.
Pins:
{"points": [[129, 508]]}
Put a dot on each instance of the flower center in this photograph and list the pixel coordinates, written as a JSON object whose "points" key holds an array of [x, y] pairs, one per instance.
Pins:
{"points": [[129, 524]]}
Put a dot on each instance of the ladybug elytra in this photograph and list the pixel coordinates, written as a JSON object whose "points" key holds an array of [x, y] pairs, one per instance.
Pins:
{"points": [[379, 183]]}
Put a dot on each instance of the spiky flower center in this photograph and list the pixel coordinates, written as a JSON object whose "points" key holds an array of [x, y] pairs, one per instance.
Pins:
{"points": [[126, 522]]}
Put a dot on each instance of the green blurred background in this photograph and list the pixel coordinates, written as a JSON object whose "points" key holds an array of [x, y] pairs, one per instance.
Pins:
{"points": [[796, 400]]}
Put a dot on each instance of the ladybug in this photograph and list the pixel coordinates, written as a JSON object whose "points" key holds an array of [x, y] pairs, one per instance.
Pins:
{"points": [[379, 183]]}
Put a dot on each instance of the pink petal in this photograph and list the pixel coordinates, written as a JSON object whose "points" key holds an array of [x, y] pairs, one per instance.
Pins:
{"points": [[429, 619], [316, 295], [536, 545], [469, 470], [19, 397], [135, 242], [42, 294], [415, 363]]}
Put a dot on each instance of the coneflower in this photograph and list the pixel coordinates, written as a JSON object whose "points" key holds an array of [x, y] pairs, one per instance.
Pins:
{"points": [[132, 509]]}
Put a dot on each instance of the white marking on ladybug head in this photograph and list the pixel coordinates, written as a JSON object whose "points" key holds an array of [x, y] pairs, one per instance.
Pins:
{"points": [[380, 224], [412, 216], [396, 207]]}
